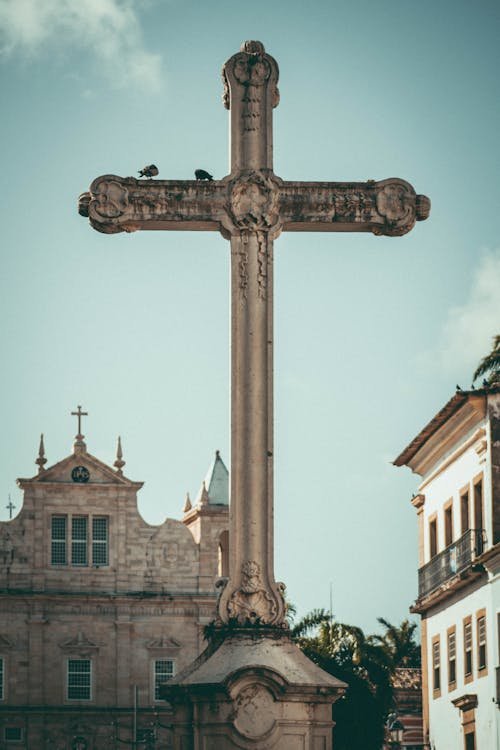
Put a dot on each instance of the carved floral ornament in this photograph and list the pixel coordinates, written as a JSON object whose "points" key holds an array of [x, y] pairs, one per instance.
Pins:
{"points": [[400, 206], [253, 204], [110, 199], [251, 70]]}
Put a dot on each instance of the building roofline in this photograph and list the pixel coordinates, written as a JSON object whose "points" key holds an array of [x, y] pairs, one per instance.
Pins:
{"points": [[451, 407]]}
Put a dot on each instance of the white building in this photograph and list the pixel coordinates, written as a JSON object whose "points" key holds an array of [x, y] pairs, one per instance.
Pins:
{"points": [[457, 456]]}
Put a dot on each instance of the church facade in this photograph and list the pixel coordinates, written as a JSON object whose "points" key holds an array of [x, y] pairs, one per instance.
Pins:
{"points": [[457, 456], [98, 608]]}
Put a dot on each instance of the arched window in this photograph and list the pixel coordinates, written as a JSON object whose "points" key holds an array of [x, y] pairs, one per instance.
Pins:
{"points": [[224, 554]]}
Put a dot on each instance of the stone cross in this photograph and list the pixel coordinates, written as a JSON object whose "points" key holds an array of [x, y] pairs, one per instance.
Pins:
{"points": [[10, 507], [79, 414], [251, 207]]}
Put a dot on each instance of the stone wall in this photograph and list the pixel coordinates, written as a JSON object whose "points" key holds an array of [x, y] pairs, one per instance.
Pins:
{"points": [[146, 605]]}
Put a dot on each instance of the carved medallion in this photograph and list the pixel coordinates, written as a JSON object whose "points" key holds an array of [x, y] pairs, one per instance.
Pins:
{"points": [[80, 474], [253, 204], [111, 199], [396, 203], [254, 712]]}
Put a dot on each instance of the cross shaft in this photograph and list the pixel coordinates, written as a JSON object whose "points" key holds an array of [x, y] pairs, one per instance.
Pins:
{"points": [[79, 413], [10, 507], [251, 207]]}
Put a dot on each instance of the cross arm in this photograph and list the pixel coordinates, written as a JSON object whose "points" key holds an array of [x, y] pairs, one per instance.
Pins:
{"points": [[388, 207], [125, 204]]}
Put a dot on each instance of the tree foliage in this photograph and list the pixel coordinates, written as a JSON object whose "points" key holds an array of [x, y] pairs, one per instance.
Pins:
{"points": [[399, 644], [490, 364], [367, 664]]}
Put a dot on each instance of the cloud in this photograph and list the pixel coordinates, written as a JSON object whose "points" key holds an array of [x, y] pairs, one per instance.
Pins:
{"points": [[109, 30], [468, 331]]}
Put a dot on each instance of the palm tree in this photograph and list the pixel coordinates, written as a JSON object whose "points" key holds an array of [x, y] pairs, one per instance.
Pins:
{"points": [[399, 644], [345, 651], [490, 364]]}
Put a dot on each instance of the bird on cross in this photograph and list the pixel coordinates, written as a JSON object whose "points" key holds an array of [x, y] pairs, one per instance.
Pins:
{"points": [[149, 171], [200, 174]]}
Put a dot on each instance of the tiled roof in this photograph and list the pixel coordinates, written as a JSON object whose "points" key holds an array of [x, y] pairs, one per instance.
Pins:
{"points": [[454, 404]]}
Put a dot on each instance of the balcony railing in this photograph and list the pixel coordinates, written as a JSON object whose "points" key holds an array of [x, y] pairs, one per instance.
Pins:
{"points": [[451, 561]]}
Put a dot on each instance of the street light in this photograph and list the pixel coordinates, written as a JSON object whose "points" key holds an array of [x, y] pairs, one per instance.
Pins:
{"points": [[396, 731]]}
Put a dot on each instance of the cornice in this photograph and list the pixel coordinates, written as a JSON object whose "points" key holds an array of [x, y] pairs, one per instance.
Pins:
{"points": [[418, 501], [476, 399], [466, 702]]}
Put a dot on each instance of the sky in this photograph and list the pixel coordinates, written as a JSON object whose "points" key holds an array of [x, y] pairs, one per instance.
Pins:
{"points": [[371, 333]]}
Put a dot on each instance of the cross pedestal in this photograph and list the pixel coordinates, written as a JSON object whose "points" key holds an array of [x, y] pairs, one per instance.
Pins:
{"points": [[252, 687]]}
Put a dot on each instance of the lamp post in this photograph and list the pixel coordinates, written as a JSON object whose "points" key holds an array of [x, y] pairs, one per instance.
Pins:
{"points": [[396, 732]]}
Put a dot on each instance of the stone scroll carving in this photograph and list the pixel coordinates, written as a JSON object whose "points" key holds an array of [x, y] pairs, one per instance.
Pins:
{"points": [[252, 603]]}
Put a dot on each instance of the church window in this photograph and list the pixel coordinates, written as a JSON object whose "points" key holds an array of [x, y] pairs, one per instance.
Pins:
{"points": [[99, 541], [79, 541], [82, 548], [436, 667], [223, 559], [468, 649], [481, 642], [452, 658], [79, 679], [1, 679], [58, 545], [164, 670]]}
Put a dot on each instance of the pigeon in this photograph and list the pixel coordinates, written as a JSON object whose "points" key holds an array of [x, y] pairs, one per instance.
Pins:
{"points": [[150, 171], [200, 174]]}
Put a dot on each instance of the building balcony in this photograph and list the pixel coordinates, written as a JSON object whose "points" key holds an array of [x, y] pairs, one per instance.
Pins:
{"points": [[451, 562]]}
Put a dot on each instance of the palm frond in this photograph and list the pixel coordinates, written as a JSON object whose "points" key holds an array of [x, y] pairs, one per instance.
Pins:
{"points": [[491, 362], [310, 621]]}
